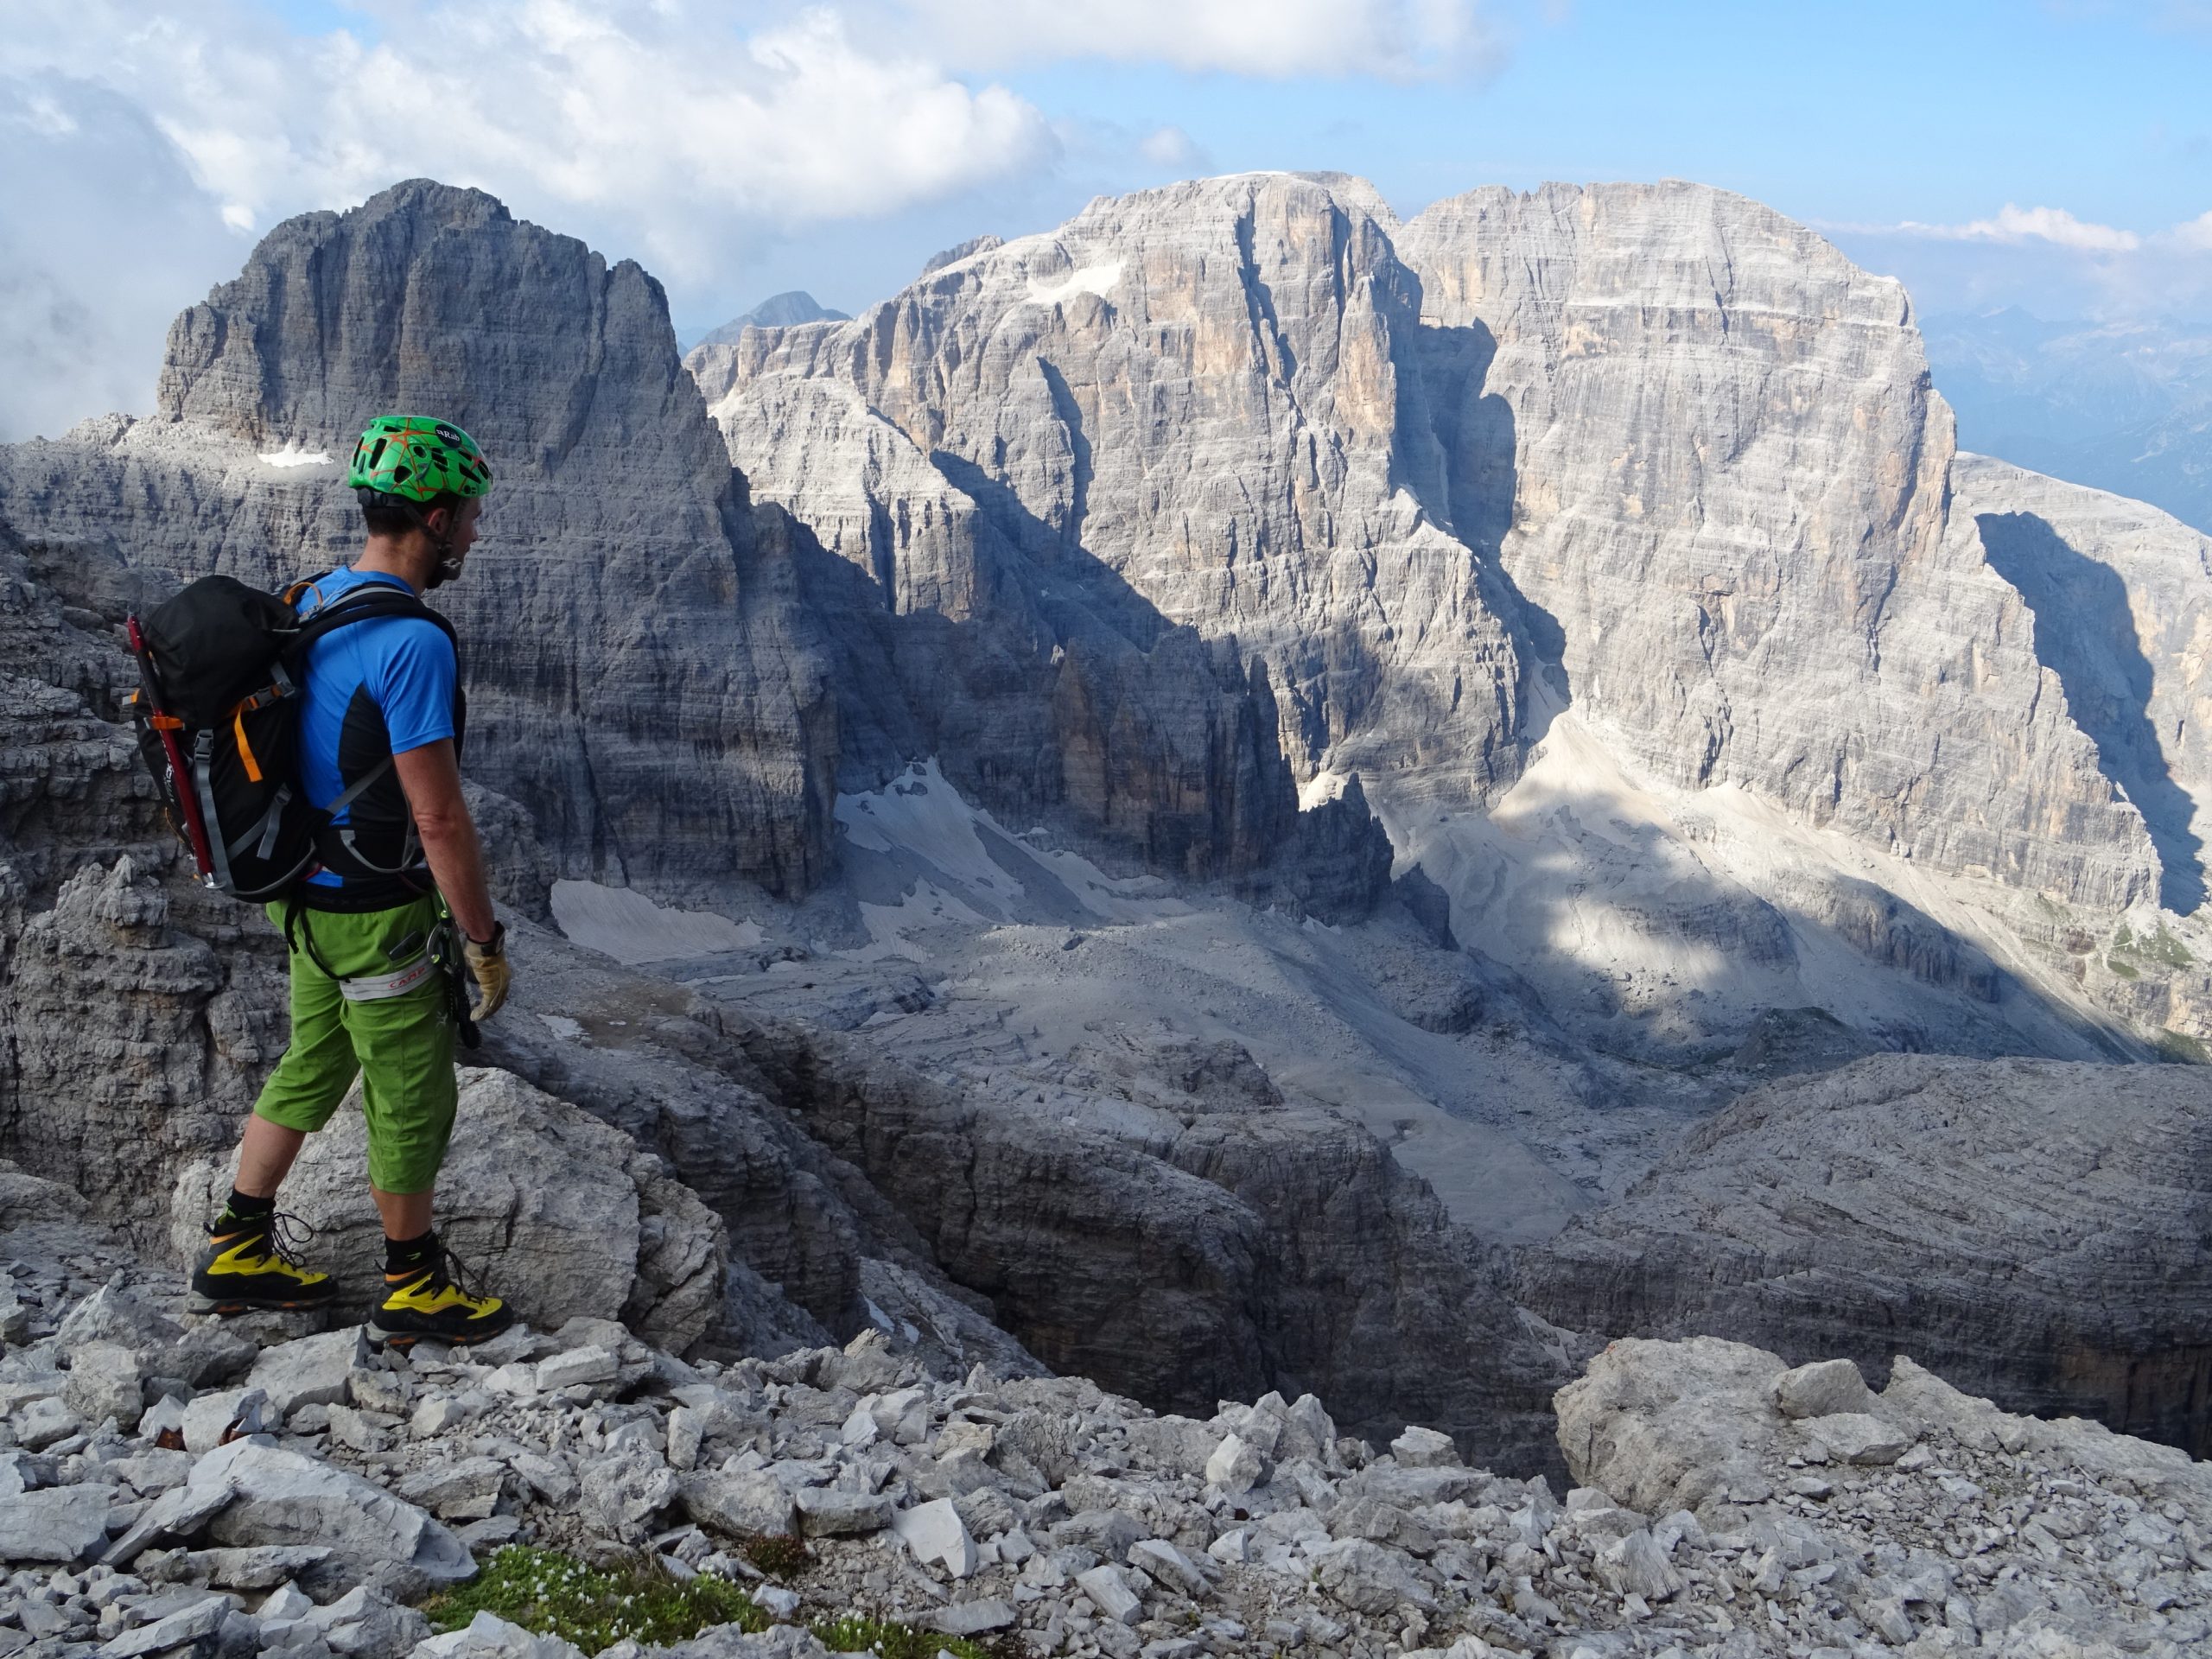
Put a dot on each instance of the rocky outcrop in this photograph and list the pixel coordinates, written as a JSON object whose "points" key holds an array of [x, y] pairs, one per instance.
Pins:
{"points": [[1851, 1510], [563, 1213], [130, 1045], [2029, 1228], [641, 679], [278, 1495]]}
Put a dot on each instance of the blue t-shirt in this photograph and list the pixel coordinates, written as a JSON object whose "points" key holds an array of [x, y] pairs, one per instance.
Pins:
{"points": [[403, 665]]}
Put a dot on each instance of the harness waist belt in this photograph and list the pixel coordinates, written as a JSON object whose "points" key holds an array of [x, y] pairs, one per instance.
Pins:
{"points": [[375, 987]]}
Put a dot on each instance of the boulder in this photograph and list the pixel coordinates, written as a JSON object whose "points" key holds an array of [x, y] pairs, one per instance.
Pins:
{"points": [[185, 1626], [828, 1512], [1369, 1577], [1236, 1467], [621, 1493], [1664, 1426], [739, 1504], [1424, 1448], [60, 1523], [562, 1214], [489, 1637], [283, 1497], [1823, 1388], [973, 1617], [106, 1381], [935, 1533], [1859, 1436], [211, 1418], [1110, 1594], [310, 1371], [1636, 1565], [112, 1314]]}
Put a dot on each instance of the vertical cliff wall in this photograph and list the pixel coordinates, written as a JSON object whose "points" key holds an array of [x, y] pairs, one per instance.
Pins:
{"points": [[641, 674]]}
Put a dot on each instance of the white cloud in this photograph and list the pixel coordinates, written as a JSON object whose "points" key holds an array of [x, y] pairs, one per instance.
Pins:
{"points": [[2052, 224], [1171, 148], [670, 128], [148, 141], [2044, 259], [104, 237], [1398, 39]]}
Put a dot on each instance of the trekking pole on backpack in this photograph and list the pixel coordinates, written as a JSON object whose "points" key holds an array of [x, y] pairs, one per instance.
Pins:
{"points": [[175, 778]]}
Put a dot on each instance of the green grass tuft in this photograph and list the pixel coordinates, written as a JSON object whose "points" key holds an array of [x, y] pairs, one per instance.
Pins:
{"points": [[855, 1635], [553, 1594], [2120, 968], [779, 1555]]}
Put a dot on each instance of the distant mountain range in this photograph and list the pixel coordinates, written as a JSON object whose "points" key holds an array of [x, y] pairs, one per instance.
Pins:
{"points": [[2125, 407], [777, 311]]}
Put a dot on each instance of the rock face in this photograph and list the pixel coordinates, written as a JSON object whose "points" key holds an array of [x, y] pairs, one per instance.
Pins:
{"points": [[1250, 1243], [2028, 1227], [1636, 448], [639, 676], [131, 1044], [2123, 610], [1727, 477], [559, 1212], [1053, 464]]}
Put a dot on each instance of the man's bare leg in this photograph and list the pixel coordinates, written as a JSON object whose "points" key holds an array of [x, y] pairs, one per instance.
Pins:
{"points": [[265, 1155], [406, 1214]]}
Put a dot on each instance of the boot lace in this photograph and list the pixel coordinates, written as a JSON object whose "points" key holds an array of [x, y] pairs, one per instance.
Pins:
{"points": [[283, 1236], [289, 1236], [449, 1272]]}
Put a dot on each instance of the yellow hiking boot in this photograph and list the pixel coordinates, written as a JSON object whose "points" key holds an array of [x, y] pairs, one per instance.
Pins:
{"points": [[433, 1300], [252, 1263]]}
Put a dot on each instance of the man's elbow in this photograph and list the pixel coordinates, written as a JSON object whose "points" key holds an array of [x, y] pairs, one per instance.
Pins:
{"points": [[441, 823]]}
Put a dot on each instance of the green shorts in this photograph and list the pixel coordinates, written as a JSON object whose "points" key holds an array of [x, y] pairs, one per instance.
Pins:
{"points": [[401, 1046]]}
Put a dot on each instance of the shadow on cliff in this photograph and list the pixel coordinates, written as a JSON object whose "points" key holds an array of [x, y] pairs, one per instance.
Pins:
{"points": [[1066, 694], [1468, 486], [2085, 634]]}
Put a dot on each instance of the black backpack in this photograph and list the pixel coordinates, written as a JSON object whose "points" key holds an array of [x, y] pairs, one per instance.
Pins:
{"points": [[216, 713]]}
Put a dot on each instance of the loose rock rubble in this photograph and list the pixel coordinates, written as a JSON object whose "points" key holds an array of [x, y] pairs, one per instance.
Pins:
{"points": [[169, 1487]]}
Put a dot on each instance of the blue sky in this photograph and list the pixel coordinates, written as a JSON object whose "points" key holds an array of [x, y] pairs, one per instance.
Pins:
{"points": [[2054, 156]]}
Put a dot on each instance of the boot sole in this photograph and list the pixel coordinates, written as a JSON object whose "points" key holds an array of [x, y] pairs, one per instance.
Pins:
{"points": [[230, 1307], [380, 1338]]}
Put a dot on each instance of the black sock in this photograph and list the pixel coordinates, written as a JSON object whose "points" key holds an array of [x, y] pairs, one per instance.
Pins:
{"points": [[245, 1207], [404, 1254]]}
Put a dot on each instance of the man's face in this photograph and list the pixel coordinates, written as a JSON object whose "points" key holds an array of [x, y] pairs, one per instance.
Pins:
{"points": [[464, 527], [462, 524]]}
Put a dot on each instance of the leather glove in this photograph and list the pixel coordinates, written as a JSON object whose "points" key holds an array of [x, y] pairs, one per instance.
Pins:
{"points": [[488, 966]]}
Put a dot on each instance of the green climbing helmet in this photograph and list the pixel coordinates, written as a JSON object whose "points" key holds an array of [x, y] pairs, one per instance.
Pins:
{"points": [[419, 458]]}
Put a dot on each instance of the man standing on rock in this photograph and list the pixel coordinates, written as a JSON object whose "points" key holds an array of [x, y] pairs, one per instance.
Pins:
{"points": [[380, 732]]}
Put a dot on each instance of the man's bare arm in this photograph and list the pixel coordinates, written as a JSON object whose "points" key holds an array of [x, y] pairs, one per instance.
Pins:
{"points": [[431, 777]]}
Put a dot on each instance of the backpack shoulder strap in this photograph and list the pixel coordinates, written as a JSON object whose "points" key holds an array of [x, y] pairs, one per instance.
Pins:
{"points": [[362, 605]]}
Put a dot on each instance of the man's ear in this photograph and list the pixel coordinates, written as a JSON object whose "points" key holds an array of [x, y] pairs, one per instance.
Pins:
{"points": [[439, 522]]}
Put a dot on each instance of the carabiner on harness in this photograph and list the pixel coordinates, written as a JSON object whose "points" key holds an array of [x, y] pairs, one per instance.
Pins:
{"points": [[445, 953]]}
